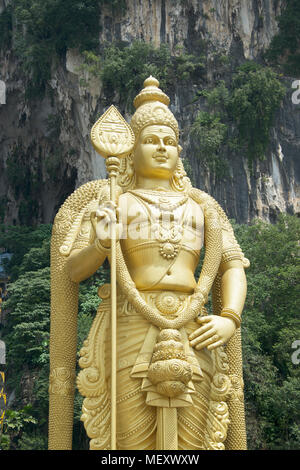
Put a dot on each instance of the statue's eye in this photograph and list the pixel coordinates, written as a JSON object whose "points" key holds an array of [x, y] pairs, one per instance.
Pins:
{"points": [[170, 142], [149, 140]]}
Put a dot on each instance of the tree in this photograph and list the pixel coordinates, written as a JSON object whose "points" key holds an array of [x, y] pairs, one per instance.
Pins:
{"points": [[271, 324]]}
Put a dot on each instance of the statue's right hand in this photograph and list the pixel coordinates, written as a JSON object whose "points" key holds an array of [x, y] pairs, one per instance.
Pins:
{"points": [[103, 221]]}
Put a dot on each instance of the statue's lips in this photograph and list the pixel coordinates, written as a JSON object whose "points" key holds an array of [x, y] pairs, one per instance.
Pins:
{"points": [[161, 158]]}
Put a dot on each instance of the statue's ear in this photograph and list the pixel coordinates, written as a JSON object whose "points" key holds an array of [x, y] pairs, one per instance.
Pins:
{"points": [[180, 149]]}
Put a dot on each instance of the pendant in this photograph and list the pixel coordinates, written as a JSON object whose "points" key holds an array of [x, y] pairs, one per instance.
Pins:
{"points": [[168, 250], [169, 238]]}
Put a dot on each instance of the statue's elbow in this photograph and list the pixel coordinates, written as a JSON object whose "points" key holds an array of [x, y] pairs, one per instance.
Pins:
{"points": [[73, 271]]}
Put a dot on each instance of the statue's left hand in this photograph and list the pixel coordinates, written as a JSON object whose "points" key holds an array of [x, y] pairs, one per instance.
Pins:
{"points": [[215, 331]]}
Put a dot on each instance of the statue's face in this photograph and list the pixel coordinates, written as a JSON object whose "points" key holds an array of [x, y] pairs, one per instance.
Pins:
{"points": [[156, 152]]}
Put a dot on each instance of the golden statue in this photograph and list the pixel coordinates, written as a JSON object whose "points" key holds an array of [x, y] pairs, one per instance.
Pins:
{"points": [[170, 375]]}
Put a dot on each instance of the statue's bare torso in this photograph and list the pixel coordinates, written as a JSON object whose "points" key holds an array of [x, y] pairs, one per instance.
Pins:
{"points": [[166, 260]]}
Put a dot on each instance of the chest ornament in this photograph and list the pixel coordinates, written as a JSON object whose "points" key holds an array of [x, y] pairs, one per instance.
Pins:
{"points": [[167, 227]]}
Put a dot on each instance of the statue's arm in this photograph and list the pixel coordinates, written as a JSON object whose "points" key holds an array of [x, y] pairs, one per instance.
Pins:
{"points": [[96, 229], [89, 250], [84, 263], [216, 330], [233, 285]]}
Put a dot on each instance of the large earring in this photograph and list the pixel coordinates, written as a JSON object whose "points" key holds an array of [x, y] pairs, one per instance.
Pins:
{"points": [[180, 181], [126, 178]]}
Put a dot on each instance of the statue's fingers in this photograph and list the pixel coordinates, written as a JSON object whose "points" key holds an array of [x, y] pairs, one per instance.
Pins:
{"points": [[215, 345], [110, 206], [199, 331], [93, 219], [111, 214], [210, 341], [100, 213], [106, 216], [202, 338], [203, 319]]}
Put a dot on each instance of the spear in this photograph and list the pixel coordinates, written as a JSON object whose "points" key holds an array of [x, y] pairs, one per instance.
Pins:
{"points": [[113, 138]]}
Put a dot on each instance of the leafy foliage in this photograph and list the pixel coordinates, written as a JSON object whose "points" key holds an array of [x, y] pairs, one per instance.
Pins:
{"points": [[44, 28], [6, 26], [244, 113], [271, 324], [122, 68], [256, 96], [210, 133], [285, 46], [16, 422], [19, 240], [28, 306], [26, 334]]}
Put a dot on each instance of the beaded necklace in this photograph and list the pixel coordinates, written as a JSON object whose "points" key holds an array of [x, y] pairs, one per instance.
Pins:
{"points": [[167, 229]]}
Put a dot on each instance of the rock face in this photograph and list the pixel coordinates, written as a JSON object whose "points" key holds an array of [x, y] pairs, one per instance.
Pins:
{"points": [[178, 22], [45, 145]]}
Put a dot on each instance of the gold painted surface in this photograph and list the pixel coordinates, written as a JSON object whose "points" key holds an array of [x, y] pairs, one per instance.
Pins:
{"points": [[174, 390], [111, 135]]}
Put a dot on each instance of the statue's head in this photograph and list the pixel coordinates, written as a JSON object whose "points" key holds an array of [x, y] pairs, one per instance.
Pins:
{"points": [[156, 152]]}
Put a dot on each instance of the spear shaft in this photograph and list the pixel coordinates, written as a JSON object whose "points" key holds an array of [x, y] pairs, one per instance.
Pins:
{"points": [[112, 165], [113, 138]]}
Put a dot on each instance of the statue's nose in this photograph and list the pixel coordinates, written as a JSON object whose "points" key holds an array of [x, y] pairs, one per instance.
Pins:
{"points": [[161, 145]]}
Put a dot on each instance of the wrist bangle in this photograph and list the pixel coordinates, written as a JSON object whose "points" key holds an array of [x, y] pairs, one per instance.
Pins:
{"points": [[230, 313], [100, 248]]}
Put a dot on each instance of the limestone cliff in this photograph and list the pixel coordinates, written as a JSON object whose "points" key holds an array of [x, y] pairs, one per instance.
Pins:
{"points": [[45, 145]]}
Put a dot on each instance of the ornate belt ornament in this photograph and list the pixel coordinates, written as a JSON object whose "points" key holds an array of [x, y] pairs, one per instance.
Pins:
{"points": [[169, 370]]}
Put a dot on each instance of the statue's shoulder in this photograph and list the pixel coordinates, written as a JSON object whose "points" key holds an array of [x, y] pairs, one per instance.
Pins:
{"points": [[80, 199], [82, 196], [204, 199], [231, 248], [208, 202], [71, 214]]}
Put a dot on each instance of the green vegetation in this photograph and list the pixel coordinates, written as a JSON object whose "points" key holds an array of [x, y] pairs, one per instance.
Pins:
{"points": [[29, 168], [15, 422], [285, 46], [210, 133], [237, 118], [256, 96], [6, 27], [123, 68], [26, 333], [46, 29], [243, 112], [270, 326], [42, 31], [25, 179], [210, 130]]}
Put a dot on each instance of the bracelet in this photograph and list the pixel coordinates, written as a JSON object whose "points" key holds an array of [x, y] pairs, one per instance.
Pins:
{"points": [[230, 313], [100, 248], [230, 255]]}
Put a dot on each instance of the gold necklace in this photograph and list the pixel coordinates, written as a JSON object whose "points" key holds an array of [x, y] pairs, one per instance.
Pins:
{"points": [[168, 231], [162, 201]]}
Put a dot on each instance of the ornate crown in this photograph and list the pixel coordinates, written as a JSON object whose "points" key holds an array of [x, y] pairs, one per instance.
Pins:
{"points": [[152, 108]]}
